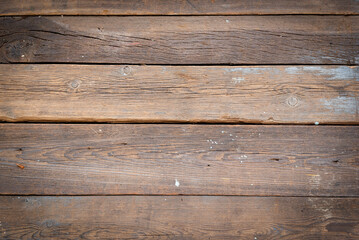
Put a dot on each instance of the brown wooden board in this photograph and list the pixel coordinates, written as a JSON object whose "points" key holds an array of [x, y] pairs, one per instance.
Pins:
{"points": [[178, 217], [264, 94], [181, 40], [61, 159], [176, 7]]}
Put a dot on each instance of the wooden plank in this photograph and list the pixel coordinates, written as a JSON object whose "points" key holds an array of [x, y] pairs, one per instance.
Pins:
{"points": [[176, 7], [179, 159], [265, 94], [178, 217], [182, 40]]}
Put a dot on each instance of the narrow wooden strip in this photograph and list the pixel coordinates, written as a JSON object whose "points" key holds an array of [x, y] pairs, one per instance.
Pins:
{"points": [[182, 40], [280, 94], [176, 7], [178, 217], [179, 159]]}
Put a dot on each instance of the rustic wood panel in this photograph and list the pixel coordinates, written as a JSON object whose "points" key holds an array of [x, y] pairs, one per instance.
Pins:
{"points": [[177, 40], [179, 159], [277, 94], [178, 217], [176, 7]]}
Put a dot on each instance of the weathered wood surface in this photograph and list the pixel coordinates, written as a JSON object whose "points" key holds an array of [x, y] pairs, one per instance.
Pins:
{"points": [[176, 7], [178, 217], [177, 40], [179, 159], [85, 93]]}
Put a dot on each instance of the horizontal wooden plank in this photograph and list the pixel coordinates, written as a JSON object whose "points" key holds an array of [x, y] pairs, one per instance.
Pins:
{"points": [[182, 40], [178, 217], [277, 94], [179, 159], [176, 7]]}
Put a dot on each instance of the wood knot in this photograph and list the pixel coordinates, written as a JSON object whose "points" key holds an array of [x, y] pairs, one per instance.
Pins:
{"points": [[292, 101], [75, 84], [126, 70], [19, 51]]}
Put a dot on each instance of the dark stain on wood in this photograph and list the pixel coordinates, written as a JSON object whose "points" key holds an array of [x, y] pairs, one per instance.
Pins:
{"points": [[345, 227], [162, 40]]}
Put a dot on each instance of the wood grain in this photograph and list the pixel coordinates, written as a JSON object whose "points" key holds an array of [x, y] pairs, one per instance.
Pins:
{"points": [[181, 40], [87, 93], [176, 7], [61, 159], [178, 217]]}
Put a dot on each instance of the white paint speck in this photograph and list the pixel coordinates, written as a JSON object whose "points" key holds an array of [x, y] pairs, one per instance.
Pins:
{"points": [[237, 80], [177, 183], [165, 199], [332, 73], [251, 184], [82, 56], [223, 131], [100, 130], [316, 123], [241, 161], [342, 104], [227, 21], [22, 56]]}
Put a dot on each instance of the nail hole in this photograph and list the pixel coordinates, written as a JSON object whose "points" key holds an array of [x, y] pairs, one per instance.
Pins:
{"points": [[275, 159]]}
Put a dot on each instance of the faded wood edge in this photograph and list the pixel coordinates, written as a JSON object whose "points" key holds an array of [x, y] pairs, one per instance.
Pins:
{"points": [[49, 14]]}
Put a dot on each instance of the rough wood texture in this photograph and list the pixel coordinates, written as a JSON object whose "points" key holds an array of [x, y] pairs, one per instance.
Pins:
{"points": [[179, 159], [177, 40], [178, 217], [291, 94], [176, 7]]}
